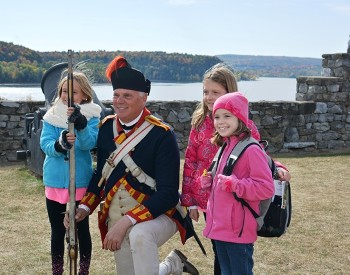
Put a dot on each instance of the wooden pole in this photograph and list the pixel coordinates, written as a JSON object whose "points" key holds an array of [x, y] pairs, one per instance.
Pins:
{"points": [[72, 232]]}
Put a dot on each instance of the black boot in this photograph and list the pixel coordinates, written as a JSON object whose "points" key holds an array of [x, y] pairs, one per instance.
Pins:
{"points": [[84, 264], [188, 267], [57, 264]]}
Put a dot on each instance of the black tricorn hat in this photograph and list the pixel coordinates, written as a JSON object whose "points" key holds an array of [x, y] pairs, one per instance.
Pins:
{"points": [[131, 79]]}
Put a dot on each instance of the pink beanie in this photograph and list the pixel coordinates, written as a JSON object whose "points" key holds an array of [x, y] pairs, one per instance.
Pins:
{"points": [[236, 103]]}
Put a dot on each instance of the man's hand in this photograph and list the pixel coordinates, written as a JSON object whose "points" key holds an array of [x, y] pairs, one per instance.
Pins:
{"points": [[116, 234], [80, 214]]}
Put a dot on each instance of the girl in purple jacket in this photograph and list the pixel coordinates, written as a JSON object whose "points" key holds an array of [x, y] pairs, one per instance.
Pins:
{"points": [[232, 227]]}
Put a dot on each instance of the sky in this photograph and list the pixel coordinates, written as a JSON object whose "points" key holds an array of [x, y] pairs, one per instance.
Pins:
{"points": [[297, 28]]}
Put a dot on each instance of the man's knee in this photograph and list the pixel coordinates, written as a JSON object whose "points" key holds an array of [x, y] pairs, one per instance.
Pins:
{"points": [[139, 235]]}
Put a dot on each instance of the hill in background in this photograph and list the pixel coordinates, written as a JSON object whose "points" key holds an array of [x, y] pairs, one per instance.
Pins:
{"points": [[19, 64], [274, 66]]}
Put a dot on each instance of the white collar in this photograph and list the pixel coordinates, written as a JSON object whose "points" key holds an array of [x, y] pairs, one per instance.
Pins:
{"points": [[133, 121]]}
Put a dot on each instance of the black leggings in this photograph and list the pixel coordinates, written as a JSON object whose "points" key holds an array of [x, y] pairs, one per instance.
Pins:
{"points": [[55, 212]]}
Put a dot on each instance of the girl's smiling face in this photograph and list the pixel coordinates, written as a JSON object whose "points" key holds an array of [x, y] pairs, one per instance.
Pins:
{"points": [[225, 123], [211, 92], [78, 94]]}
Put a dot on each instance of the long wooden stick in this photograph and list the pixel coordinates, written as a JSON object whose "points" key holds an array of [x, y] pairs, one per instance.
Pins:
{"points": [[72, 232]]}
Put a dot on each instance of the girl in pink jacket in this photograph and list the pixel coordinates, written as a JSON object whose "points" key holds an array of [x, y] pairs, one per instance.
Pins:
{"points": [[217, 81], [232, 227]]}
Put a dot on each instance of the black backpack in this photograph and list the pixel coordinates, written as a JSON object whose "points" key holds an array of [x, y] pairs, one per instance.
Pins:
{"points": [[275, 213]]}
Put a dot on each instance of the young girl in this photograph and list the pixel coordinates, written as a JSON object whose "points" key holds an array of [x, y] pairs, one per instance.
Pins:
{"points": [[55, 142], [217, 81], [232, 227]]}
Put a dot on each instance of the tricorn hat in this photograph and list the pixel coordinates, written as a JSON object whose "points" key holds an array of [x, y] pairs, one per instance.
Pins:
{"points": [[122, 75]]}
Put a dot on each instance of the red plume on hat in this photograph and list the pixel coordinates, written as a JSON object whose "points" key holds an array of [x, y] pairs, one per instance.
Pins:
{"points": [[116, 63]]}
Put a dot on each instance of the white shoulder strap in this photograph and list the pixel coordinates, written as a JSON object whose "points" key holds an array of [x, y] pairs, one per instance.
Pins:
{"points": [[138, 173], [124, 148]]}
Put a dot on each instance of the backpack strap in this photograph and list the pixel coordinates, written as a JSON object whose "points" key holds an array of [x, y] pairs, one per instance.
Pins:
{"points": [[244, 203], [214, 164], [236, 152], [240, 147]]}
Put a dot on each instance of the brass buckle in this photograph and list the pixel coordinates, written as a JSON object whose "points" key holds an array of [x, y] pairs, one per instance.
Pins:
{"points": [[136, 172]]}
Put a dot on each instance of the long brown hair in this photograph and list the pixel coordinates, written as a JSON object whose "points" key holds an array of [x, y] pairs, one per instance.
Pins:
{"points": [[222, 74]]}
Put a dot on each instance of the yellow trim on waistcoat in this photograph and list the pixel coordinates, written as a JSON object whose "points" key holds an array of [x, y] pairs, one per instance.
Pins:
{"points": [[138, 196]]}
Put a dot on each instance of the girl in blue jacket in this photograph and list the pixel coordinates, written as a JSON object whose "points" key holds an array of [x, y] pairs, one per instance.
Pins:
{"points": [[55, 141]]}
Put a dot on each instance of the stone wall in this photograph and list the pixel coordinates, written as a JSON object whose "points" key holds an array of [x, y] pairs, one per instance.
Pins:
{"points": [[11, 127], [288, 126], [318, 121]]}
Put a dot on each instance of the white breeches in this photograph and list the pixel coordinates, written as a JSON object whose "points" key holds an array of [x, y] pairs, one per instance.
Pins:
{"points": [[139, 250]]}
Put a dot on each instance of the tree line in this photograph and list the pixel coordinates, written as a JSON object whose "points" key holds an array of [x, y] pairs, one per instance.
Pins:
{"points": [[21, 65]]}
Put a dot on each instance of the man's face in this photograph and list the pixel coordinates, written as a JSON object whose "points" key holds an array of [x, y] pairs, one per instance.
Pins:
{"points": [[128, 104]]}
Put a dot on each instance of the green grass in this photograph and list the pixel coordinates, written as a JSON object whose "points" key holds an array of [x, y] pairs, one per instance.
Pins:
{"points": [[317, 241]]}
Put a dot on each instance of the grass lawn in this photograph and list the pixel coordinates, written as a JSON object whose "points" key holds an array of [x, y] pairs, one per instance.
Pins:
{"points": [[317, 242]]}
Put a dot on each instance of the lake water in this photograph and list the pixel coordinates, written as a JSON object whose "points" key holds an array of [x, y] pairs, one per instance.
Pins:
{"points": [[265, 88]]}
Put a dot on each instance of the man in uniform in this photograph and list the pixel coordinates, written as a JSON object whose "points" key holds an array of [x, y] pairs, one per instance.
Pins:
{"points": [[137, 176]]}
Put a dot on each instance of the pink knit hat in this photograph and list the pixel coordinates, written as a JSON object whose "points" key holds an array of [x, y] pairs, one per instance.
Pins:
{"points": [[236, 103]]}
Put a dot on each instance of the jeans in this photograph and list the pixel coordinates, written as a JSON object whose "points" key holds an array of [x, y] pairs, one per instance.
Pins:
{"points": [[217, 270], [235, 258]]}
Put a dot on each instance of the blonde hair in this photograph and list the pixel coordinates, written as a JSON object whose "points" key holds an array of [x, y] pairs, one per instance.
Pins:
{"points": [[222, 74], [83, 82]]}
